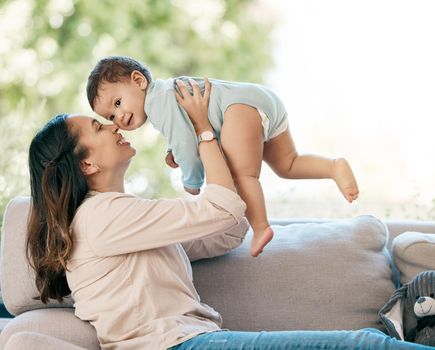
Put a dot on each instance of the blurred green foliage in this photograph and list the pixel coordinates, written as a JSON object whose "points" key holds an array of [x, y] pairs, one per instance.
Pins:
{"points": [[47, 49]]}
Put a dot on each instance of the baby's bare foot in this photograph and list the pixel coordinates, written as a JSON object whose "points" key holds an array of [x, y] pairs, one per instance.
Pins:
{"points": [[345, 180], [259, 241]]}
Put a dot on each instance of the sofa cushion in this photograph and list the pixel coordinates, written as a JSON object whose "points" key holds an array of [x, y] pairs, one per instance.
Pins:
{"points": [[413, 252], [333, 275], [17, 278]]}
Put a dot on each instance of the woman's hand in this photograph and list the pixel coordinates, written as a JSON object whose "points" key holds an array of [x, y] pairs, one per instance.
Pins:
{"points": [[196, 106]]}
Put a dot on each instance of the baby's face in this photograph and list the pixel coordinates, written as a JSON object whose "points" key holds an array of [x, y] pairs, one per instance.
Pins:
{"points": [[122, 103]]}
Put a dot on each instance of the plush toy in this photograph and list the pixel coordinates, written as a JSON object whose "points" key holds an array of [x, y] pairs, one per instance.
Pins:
{"points": [[410, 313]]}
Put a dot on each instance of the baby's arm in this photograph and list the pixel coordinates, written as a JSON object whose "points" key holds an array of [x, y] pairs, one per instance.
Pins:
{"points": [[170, 161], [192, 170], [184, 153]]}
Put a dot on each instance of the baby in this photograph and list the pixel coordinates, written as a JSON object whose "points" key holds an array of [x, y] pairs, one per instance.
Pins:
{"points": [[249, 121]]}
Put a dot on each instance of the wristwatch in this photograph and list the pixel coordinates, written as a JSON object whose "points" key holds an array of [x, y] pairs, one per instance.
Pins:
{"points": [[206, 136]]}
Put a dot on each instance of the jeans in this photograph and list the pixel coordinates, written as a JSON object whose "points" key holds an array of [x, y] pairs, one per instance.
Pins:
{"points": [[364, 339]]}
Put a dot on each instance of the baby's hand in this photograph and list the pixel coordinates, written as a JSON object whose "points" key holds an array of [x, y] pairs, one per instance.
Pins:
{"points": [[170, 160], [192, 191]]}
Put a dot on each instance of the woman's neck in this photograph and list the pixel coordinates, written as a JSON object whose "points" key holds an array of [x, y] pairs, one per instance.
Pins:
{"points": [[108, 188], [104, 182]]}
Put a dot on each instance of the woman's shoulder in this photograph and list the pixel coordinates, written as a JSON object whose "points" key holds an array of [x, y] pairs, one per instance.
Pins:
{"points": [[94, 197], [98, 203]]}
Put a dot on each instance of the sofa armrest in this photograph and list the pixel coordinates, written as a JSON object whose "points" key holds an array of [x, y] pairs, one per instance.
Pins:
{"points": [[35, 341], [60, 323], [17, 277]]}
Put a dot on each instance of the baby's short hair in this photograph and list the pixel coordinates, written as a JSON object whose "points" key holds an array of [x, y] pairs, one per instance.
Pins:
{"points": [[113, 69]]}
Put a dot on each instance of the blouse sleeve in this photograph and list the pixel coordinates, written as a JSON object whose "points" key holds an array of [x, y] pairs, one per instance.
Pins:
{"points": [[119, 223], [216, 245]]}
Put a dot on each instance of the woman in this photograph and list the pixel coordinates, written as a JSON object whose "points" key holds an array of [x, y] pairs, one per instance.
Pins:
{"points": [[120, 255]]}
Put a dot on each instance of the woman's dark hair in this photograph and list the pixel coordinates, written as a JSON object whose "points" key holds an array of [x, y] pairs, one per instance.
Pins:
{"points": [[113, 69], [58, 187]]}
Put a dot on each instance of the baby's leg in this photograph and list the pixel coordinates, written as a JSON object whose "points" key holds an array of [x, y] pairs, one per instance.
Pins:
{"points": [[281, 155], [242, 143]]}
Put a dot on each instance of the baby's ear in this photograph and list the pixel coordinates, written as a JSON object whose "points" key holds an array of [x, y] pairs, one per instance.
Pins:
{"points": [[139, 79]]}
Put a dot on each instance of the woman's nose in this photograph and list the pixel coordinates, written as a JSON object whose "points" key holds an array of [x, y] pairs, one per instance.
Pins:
{"points": [[114, 128]]}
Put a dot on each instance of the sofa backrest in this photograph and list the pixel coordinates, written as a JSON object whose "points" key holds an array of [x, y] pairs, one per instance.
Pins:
{"points": [[311, 276], [395, 227]]}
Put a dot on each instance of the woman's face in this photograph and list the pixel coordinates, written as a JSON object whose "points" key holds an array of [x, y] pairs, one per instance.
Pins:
{"points": [[107, 149]]}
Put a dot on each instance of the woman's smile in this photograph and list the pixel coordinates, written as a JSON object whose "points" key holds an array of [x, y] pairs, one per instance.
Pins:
{"points": [[122, 141]]}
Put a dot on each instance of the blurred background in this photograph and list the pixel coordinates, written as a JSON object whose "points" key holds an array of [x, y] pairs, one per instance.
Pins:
{"points": [[358, 80]]}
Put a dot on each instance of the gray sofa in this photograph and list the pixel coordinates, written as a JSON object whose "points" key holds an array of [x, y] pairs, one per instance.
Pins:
{"points": [[315, 274]]}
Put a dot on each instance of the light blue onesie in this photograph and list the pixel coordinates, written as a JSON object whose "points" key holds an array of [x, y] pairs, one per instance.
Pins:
{"points": [[171, 120]]}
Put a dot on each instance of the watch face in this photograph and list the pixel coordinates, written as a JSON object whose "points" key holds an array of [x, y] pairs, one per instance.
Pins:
{"points": [[206, 136]]}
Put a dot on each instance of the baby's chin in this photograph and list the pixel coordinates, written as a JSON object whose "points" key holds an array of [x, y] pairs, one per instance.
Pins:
{"points": [[138, 121]]}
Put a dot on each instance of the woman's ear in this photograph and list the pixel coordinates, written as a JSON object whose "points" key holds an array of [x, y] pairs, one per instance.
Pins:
{"points": [[89, 168], [139, 79]]}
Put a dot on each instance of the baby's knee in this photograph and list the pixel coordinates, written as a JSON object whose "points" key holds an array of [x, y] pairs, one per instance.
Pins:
{"points": [[293, 156], [285, 168], [245, 176]]}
